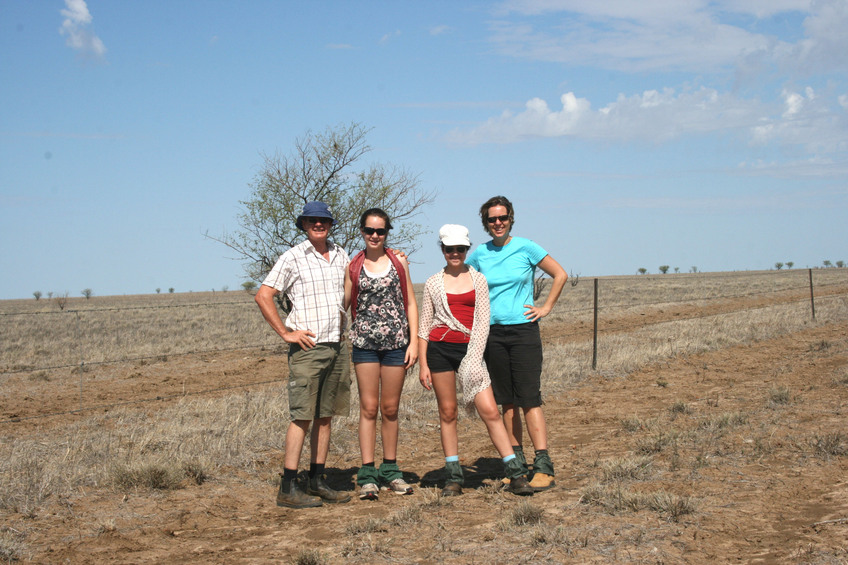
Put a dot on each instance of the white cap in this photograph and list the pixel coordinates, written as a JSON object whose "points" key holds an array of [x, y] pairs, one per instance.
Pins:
{"points": [[454, 234]]}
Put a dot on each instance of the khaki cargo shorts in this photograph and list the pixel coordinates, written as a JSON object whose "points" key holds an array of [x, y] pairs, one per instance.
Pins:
{"points": [[319, 381]]}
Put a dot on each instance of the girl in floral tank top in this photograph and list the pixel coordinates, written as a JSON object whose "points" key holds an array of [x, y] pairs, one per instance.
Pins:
{"points": [[379, 292]]}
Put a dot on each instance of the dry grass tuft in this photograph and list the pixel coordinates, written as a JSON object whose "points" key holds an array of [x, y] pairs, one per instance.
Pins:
{"points": [[657, 441], [779, 396], [618, 499], [165, 475], [310, 557], [367, 526], [831, 444], [524, 514], [626, 469], [12, 547]]}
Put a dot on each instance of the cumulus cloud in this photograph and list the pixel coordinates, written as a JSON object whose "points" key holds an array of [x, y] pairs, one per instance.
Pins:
{"points": [[817, 124], [807, 120], [653, 115], [77, 27]]}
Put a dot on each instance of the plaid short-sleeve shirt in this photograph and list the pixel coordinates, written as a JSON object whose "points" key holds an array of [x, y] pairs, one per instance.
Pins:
{"points": [[315, 287]]}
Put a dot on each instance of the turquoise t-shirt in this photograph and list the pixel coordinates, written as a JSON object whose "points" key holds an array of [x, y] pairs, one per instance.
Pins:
{"points": [[510, 271]]}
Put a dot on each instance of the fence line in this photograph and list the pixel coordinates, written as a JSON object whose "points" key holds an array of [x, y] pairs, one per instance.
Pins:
{"points": [[275, 342]]}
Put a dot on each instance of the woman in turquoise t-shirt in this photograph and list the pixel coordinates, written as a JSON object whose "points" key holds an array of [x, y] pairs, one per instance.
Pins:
{"points": [[514, 348]]}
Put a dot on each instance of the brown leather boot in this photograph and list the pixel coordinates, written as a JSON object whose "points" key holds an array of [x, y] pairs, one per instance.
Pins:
{"points": [[317, 487], [291, 496], [452, 489]]}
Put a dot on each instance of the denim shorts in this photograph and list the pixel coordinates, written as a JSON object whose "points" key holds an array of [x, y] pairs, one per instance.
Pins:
{"points": [[387, 357]]}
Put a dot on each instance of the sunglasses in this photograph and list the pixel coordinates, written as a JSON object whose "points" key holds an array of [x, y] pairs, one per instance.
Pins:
{"points": [[316, 220], [372, 231], [455, 248], [492, 219]]}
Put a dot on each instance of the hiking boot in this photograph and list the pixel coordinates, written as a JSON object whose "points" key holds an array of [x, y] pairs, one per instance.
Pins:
{"points": [[368, 491], [453, 473], [542, 481], [452, 489], [317, 487], [520, 486], [399, 486], [542, 463], [291, 496]]}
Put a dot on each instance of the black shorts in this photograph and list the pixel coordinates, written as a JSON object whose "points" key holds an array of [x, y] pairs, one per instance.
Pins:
{"points": [[514, 359], [443, 357]]}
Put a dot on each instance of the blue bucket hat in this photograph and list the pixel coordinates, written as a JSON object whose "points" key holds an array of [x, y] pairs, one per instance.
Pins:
{"points": [[315, 210]]}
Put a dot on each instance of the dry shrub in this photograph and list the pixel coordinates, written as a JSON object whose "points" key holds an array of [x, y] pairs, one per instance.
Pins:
{"points": [[164, 475]]}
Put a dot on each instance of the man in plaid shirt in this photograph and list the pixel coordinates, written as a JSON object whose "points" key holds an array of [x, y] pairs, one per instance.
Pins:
{"points": [[312, 275]]}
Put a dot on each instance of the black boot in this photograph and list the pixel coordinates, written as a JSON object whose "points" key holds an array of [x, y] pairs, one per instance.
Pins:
{"points": [[290, 495]]}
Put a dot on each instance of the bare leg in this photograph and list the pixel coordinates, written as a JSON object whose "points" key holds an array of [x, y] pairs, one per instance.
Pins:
{"points": [[368, 381], [444, 384], [320, 440], [487, 408], [295, 436], [391, 382], [536, 427], [512, 423]]}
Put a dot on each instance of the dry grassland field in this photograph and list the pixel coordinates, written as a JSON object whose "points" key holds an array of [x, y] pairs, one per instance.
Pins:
{"points": [[150, 429]]}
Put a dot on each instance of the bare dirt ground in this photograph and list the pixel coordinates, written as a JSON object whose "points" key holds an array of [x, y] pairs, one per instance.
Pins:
{"points": [[756, 477]]}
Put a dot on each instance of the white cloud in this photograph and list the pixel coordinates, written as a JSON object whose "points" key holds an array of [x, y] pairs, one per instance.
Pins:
{"points": [[653, 115], [685, 35], [76, 26], [389, 36], [809, 121], [815, 166], [814, 123], [439, 30]]}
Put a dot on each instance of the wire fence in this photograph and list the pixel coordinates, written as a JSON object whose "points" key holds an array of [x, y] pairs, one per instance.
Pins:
{"points": [[42, 342]]}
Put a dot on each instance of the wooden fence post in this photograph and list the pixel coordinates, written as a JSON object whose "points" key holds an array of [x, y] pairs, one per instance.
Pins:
{"points": [[812, 297], [595, 331]]}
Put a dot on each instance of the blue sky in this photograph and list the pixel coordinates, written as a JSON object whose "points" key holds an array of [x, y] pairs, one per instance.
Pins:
{"points": [[627, 134]]}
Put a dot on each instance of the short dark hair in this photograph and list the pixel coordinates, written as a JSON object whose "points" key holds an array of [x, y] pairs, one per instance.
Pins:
{"points": [[496, 201], [374, 212]]}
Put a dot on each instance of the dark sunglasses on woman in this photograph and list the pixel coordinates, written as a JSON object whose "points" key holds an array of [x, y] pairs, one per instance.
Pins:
{"points": [[372, 231], [455, 248], [492, 219]]}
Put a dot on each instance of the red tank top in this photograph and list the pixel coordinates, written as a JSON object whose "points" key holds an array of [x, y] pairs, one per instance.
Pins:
{"points": [[462, 308]]}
